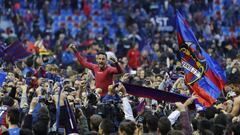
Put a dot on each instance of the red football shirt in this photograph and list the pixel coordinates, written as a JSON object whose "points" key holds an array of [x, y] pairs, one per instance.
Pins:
{"points": [[103, 77]]}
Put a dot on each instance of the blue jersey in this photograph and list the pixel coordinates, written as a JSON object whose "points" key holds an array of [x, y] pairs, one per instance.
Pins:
{"points": [[14, 131]]}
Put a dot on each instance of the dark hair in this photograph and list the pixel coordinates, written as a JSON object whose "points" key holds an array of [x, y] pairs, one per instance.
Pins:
{"points": [[13, 114], [207, 132], [220, 123], [91, 133], [221, 119], [7, 100], [234, 128], [164, 125], [210, 112], [25, 132], [218, 129], [40, 128], [107, 126], [102, 53], [43, 114], [195, 124], [175, 132], [128, 126], [204, 124], [152, 123], [43, 118], [95, 121]]}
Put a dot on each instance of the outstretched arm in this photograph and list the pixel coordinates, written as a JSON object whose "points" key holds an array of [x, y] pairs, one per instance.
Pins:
{"points": [[81, 60]]}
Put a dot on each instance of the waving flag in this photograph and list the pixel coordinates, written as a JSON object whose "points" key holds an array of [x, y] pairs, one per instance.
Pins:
{"points": [[202, 74], [15, 52], [154, 93]]}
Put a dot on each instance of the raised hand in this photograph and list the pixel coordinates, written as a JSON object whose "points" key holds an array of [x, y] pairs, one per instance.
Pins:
{"points": [[190, 100], [113, 60], [33, 104], [73, 47], [125, 77], [180, 106]]}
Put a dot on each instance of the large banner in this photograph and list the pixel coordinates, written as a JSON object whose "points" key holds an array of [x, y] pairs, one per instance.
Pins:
{"points": [[163, 23]]}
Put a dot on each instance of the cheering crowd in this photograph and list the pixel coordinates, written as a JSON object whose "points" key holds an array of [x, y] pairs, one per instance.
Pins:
{"points": [[73, 80]]}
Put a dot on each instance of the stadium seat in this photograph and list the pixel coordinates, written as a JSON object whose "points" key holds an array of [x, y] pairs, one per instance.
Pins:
{"points": [[70, 25], [225, 31]]}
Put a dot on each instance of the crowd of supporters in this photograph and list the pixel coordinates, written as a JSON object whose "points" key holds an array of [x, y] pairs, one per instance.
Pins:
{"points": [[62, 88]]}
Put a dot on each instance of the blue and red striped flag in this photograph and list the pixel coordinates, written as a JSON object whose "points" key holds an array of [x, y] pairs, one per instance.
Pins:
{"points": [[203, 75], [16, 51]]}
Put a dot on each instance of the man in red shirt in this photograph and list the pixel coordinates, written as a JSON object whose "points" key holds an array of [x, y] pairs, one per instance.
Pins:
{"points": [[103, 72], [133, 56]]}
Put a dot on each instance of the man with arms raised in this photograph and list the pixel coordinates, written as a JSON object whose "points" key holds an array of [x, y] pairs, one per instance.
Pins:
{"points": [[103, 72]]}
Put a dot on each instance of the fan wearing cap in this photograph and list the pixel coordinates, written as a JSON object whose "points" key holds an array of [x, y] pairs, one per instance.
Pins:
{"points": [[103, 72]]}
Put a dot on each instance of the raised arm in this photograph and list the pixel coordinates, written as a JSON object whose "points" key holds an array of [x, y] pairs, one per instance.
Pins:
{"points": [[184, 118], [236, 106], [81, 60], [115, 70]]}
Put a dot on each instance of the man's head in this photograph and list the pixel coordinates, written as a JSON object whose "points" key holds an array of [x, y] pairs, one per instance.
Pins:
{"points": [[54, 69], [152, 123], [106, 127], [210, 112], [8, 101], [13, 116], [164, 125], [204, 124], [101, 59], [40, 128], [95, 121], [126, 127]]}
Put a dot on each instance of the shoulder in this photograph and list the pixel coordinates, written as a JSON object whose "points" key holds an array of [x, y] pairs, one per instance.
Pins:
{"points": [[95, 66]]}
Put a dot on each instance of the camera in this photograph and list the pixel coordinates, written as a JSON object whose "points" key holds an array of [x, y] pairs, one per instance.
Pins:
{"points": [[111, 110], [42, 99], [147, 82], [69, 89], [114, 102], [140, 120], [50, 81], [66, 81]]}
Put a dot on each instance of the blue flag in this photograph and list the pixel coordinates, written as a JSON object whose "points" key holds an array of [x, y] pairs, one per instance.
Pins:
{"points": [[203, 75]]}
